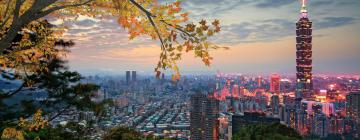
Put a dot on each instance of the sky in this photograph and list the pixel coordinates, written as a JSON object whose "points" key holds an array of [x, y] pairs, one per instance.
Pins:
{"points": [[260, 34]]}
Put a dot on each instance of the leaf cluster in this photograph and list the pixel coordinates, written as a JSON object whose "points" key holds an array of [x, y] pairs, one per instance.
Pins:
{"points": [[170, 25]]}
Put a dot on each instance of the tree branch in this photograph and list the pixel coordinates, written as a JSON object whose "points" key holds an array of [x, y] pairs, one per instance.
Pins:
{"points": [[46, 12], [3, 24], [7, 8], [149, 16], [6, 15], [32, 14], [59, 113], [13, 93], [16, 25], [62, 111], [17, 9]]}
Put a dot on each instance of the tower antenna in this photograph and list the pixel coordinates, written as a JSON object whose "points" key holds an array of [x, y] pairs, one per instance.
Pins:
{"points": [[303, 3], [303, 11]]}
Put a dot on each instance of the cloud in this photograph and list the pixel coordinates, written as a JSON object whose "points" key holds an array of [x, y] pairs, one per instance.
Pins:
{"points": [[319, 3], [273, 3], [348, 2], [213, 8], [257, 31], [85, 22], [272, 29], [332, 22], [89, 32]]}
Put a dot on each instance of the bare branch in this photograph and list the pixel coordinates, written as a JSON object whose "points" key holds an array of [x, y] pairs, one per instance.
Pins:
{"points": [[63, 110], [60, 112]]}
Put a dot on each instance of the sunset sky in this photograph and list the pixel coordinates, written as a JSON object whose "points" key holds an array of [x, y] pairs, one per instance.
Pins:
{"points": [[260, 34]]}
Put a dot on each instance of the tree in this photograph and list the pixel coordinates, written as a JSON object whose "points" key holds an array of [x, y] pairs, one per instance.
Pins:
{"points": [[261, 132], [144, 17], [34, 59], [123, 133], [39, 128]]}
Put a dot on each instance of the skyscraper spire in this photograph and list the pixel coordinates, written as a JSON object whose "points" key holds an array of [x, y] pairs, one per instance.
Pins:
{"points": [[303, 11], [303, 3]]}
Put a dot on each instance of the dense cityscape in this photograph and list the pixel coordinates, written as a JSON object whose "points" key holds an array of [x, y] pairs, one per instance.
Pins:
{"points": [[221, 105], [165, 108]]}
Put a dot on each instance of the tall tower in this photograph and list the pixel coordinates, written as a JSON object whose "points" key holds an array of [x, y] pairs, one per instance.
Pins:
{"points": [[304, 54]]}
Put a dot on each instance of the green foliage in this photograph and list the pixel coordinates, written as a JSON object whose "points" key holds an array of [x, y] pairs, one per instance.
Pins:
{"points": [[72, 131], [39, 67], [266, 132], [123, 133]]}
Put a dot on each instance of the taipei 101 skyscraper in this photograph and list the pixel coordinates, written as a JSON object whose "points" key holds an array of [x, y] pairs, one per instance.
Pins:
{"points": [[304, 55]]}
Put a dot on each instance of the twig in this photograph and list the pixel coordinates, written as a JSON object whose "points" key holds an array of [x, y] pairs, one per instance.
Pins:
{"points": [[13, 93]]}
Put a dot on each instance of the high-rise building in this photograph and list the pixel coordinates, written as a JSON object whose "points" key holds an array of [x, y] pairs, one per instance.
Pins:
{"points": [[133, 76], [235, 91], [127, 77], [353, 105], [321, 123], [275, 83], [304, 54], [275, 104], [259, 81], [204, 114], [162, 76]]}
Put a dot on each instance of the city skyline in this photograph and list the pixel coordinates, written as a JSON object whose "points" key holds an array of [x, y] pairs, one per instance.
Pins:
{"points": [[291, 70], [335, 44]]}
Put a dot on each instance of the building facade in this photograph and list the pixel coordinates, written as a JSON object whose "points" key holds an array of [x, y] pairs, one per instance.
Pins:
{"points": [[128, 74], [204, 114], [133, 76], [353, 106]]}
